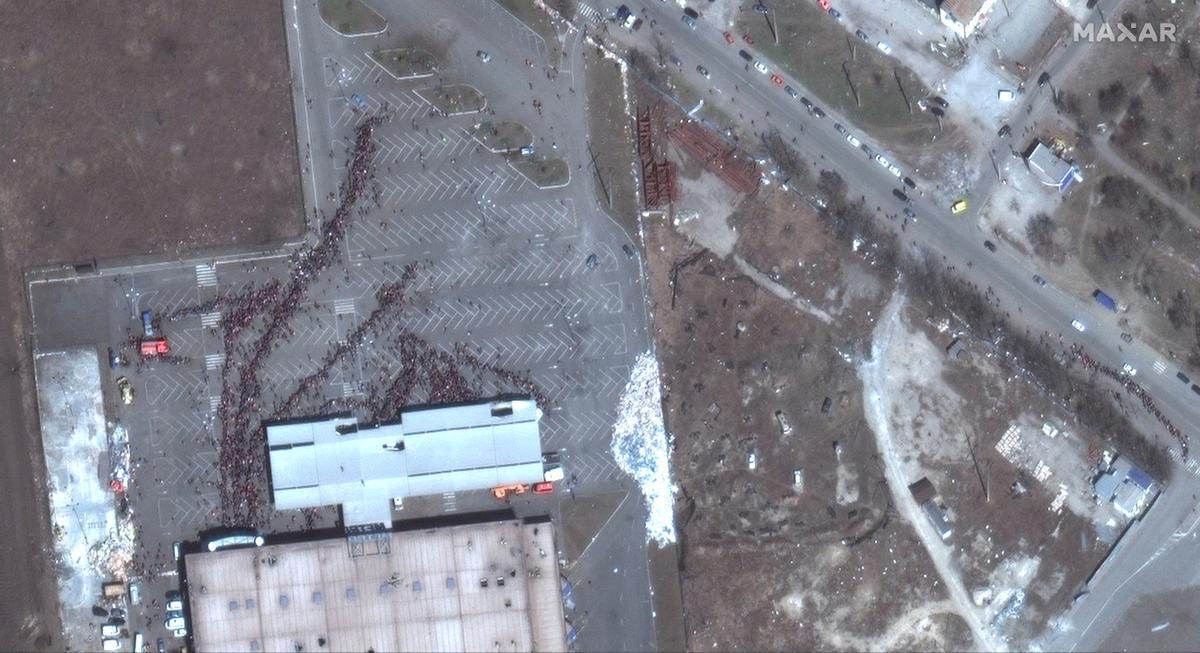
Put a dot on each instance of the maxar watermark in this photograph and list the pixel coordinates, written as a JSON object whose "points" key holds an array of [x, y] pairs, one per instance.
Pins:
{"points": [[1146, 32]]}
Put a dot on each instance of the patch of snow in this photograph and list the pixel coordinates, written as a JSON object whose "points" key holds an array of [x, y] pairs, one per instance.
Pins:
{"points": [[641, 447]]}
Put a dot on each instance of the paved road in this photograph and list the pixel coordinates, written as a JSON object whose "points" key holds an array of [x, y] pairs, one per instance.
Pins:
{"points": [[758, 105]]}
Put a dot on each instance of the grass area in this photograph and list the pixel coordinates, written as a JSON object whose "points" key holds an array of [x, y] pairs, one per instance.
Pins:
{"points": [[405, 63], [814, 48], [351, 17], [454, 99], [503, 136], [538, 21], [611, 138], [546, 173]]}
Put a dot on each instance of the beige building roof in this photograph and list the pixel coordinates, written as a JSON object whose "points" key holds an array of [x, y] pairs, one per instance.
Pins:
{"points": [[416, 591]]}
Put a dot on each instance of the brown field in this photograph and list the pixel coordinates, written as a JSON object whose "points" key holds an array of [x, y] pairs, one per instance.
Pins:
{"points": [[125, 129]]}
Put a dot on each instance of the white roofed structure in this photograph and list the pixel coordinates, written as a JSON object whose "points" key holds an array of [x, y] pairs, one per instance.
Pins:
{"points": [[430, 450]]}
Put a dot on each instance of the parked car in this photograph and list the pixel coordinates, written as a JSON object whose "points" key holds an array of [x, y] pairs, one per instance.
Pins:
{"points": [[110, 630], [1006, 95], [1129, 369], [989, 245], [940, 101], [675, 62], [729, 38], [745, 55], [899, 194], [837, 15], [1037, 278], [1183, 377], [852, 140], [937, 111], [837, 126], [173, 623], [111, 644], [791, 92], [959, 206], [910, 214], [862, 35], [816, 111], [909, 182], [1043, 78], [126, 390], [884, 47], [1004, 131], [867, 150], [175, 606], [1127, 337], [777, 80], [895, 170], [703, 71], [688, 11], [1078, 326], [760, 67], [689, 21], [483, 56], [881, 160]]}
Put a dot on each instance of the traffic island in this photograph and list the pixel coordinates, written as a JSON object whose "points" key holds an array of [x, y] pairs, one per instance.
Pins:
{"points": [[351, 17], [454, 100], [405, 63], [503, 136], [545, 173]]}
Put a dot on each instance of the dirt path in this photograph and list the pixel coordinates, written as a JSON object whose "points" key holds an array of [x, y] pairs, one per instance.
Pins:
{"points": [[877, 410]]}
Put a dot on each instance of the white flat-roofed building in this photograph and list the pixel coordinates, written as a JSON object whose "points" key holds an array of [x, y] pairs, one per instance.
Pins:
{"points": [[430, 450], [475, 587]]}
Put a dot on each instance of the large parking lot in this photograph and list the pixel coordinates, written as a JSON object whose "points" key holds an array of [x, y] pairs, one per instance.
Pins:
{"points": [[502, 267]]}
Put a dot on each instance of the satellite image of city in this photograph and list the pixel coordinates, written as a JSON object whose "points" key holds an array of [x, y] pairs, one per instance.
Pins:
{"points": [[581, 325]]}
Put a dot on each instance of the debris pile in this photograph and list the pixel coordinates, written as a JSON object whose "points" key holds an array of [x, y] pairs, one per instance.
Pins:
{"points": [[641, 447]]}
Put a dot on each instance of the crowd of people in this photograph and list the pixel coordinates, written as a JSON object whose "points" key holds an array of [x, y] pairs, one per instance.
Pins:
{"points": [[1136, 390]]}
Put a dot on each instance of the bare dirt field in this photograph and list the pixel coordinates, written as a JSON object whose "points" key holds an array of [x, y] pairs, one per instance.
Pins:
{"points": [[1021, 504], [125, 129], [757, 389], [610, 134]]}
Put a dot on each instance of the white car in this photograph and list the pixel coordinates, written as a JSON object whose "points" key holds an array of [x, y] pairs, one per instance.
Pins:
{"points": [[758, 65], [179, 632], [111, 644], [852, 140], [1078, 326], [175, 606], [174, 623], [882, 161], [1005, 95], [895, 171], [484, 56], [1129, 369], [884, 47], [110, 630]]}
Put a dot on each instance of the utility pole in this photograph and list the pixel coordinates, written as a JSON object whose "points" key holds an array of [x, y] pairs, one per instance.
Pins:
{"points": [[904, 95], [599, 176], [850, 83]]}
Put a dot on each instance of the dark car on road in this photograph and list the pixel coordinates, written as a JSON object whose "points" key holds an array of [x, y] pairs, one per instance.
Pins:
{"points": [[862, 35], [1043, 78], [791, 92], [910, 214], [899, 194], [689, 21], [837, 126], [909, 182], [1037, 278], [1182, 377], [745, 55], [691, 13], [1004, 131], [991, 247], [816, 111], [940, 101]]}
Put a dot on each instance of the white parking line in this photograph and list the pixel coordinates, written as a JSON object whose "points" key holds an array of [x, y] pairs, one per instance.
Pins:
{"points": [[1160, 367]]}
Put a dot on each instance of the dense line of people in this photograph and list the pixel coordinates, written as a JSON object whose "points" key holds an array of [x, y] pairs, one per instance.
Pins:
{"points": [[1136, 390]]}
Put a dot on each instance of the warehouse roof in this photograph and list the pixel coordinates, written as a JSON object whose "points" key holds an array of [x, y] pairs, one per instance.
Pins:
{"points": [[337, 460], [422, 591]]}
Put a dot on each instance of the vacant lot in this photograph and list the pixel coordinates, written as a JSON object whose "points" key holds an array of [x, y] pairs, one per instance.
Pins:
{"points": [[758, 390], [610, 135], [125, 129]]}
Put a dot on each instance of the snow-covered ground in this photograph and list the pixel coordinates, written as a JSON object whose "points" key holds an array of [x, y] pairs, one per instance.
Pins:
{"points": [[642, 447]]}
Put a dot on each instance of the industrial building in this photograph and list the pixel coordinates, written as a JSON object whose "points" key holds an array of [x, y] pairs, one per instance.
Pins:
{"points": [[430, 450], [491, 586]]}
